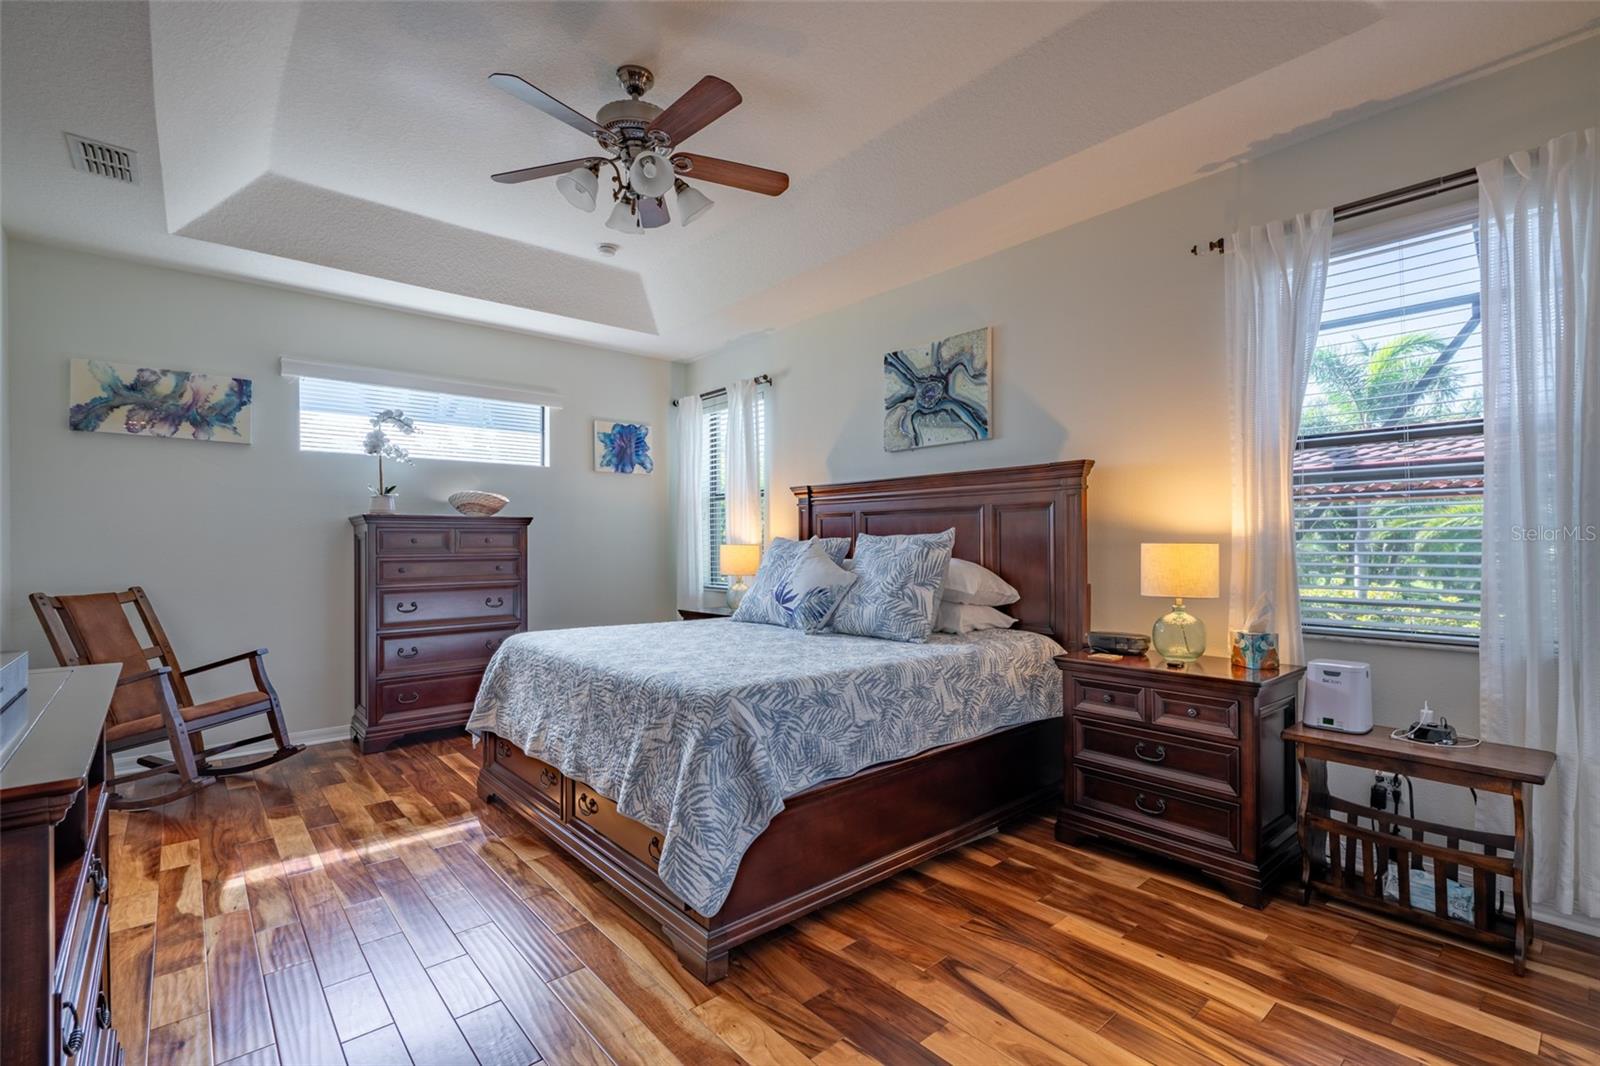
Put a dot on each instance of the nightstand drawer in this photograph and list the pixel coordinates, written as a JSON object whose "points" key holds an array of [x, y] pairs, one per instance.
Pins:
{"points": [[1188, 764], [1194, 714], [1178, 815], [1105, 699]]}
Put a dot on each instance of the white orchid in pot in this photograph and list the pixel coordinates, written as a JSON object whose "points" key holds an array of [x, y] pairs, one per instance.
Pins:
{"points": [[379, 443]]}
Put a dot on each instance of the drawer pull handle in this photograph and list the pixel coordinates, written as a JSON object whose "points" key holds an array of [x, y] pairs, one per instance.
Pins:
{"points": [[413, 540], [404, 654], [494, 601], [492, 643], [486, 540], [587, 806], [1159, 756], [1106, 697], [654, 848], [548, 777], [71, 1033], [97, 877], [406, 608], [402, 697], [498, 567], [1159, 809], [399, 569], [1193, 712], [502, 750], [102, 1011]]}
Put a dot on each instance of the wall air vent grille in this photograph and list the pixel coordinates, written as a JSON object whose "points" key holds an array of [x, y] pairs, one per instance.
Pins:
{"points": [[106, 160]]}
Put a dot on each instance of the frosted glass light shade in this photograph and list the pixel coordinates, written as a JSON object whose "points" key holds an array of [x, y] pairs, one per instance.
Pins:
{"points": [[651, 175], [692, 203], [1180, 570], [579, 187], [624, 220], [739, 560]]}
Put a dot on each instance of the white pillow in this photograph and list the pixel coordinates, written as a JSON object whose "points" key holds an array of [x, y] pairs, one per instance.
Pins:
{"points": [[970, 583], [967, 617]]}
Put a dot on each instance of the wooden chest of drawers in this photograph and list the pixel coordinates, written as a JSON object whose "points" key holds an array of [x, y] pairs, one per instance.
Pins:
{"points": [[435, 596], [1186, 763]]}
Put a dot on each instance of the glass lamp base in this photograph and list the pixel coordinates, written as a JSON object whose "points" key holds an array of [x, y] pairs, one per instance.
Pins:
{"points": [[736, 593], [1179, 636]]}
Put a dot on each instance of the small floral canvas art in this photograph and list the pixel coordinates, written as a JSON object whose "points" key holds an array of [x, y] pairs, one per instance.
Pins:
{"points": [[146, 402], [937, 393], [622, 447]]}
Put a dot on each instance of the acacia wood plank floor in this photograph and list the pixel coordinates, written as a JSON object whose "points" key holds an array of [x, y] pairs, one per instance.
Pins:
{"points": [[335, 908]]}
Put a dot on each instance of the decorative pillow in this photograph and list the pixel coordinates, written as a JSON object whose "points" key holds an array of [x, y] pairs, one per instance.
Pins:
{"points": [[970, 583], [969, 617], [813, 590], [897, 595], [777, 562]]}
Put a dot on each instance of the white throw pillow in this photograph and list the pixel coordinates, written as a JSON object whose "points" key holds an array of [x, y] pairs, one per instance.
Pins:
{"points": [[968, 617], [970, 583]]}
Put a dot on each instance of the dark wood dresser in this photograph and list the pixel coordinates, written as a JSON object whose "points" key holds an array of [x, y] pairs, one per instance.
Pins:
{"points": [[55, 872], [1188, 763], [435, 596]]}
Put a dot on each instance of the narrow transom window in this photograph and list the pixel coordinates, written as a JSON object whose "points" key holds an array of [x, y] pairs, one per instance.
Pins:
{"points": [[334, 417]]}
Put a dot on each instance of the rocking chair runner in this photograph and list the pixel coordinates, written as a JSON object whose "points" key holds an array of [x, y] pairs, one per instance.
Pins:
{"points": [[151, 704]]}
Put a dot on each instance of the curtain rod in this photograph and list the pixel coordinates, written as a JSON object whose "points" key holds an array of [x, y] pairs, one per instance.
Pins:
{"points": [[759, 379], [1422, 190]]}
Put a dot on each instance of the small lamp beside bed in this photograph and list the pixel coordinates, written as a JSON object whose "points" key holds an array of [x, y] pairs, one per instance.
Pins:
{"points": [[738, 561], [1179, 570]]}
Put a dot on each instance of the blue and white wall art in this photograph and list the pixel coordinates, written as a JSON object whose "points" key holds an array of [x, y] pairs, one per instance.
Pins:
{"points": [[939, 393]]}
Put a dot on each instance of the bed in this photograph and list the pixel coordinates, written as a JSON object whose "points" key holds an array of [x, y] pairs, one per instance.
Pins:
{"points": [[727, 778]]}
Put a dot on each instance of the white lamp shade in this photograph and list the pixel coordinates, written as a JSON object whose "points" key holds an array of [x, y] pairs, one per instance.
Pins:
{"points": [[651, 174], [1179, 570], [579, 187], [624, 220], [739, 560], [692, 203]]}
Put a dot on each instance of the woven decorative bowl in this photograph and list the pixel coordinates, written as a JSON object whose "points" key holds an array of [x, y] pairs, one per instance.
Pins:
{"points": [[473, 502]]}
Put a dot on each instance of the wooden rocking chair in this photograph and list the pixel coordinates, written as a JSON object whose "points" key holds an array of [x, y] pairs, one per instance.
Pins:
{"points": [[153, 703]]}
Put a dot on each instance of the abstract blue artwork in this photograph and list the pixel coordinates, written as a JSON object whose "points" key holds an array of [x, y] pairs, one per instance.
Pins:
{"points": [[938, 393], [116, 398], [622, 447]]}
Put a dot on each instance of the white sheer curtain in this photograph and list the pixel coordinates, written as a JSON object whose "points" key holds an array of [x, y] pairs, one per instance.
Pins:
{"points": [[691, 476], [1275, 281], [1539, 654], [743, 465]]}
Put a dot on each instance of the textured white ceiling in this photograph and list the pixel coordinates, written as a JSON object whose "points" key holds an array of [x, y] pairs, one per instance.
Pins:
{"points": [[346, 147]]}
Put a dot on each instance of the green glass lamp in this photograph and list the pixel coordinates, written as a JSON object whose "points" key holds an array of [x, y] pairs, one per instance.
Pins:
{"points": [[1175, 571]]}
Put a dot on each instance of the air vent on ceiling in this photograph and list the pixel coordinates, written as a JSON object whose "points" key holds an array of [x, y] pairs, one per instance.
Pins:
{"points": [[106, 160]]}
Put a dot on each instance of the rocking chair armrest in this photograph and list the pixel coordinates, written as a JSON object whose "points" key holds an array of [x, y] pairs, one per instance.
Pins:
{"points": [[230, 660], [145, 675]]}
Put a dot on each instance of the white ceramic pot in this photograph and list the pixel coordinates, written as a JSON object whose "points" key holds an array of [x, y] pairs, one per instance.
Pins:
{"points": [[384, 504]]}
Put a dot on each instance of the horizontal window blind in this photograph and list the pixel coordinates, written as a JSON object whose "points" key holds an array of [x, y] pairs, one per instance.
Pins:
{"points": [[1388, 470], [335, 417], [716, 428]]}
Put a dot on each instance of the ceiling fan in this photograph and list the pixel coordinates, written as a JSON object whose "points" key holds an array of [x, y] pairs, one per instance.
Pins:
{"points": [[641, 141]]}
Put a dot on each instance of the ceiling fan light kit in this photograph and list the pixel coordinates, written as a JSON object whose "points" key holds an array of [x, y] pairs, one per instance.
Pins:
{"points": [[642, 140]]}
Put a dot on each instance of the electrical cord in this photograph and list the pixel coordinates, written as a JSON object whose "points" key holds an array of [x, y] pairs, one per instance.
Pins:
{"points": [[1410, 733]]}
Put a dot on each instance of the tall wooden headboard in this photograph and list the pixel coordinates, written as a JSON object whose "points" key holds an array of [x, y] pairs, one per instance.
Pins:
{"points": [[1026, 523]]}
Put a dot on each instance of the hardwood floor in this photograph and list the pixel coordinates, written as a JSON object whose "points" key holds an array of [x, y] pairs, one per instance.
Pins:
{"points": [[335, 908]]}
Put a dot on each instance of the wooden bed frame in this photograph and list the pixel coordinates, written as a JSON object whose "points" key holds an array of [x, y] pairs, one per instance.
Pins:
{"points": [[1025, 523]]}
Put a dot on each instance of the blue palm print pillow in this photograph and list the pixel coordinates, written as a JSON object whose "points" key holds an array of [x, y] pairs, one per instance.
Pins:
{"points": [[813, 590], [897, 596], [760, 604]]}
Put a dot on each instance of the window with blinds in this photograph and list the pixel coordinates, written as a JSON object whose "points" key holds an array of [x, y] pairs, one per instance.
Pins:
{"points": [[335, 417], [1388, 468], [716, 428]]}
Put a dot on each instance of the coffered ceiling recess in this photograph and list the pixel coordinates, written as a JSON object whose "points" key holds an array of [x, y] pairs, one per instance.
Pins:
{"points": [[345, 148]]}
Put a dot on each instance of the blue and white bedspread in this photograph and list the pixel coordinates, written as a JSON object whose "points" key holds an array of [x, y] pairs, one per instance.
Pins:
{"points": [[700, 730]]}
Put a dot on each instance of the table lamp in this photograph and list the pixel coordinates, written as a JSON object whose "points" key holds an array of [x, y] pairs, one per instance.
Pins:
{"points": [[1179, 570], [739, 561]]}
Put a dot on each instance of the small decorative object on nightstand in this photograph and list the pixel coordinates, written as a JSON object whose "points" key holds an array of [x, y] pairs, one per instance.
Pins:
{"points": [[1179, 570], [738, 561], [1191, 766]]}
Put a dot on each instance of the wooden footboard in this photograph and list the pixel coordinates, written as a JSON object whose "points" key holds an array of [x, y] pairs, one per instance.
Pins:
{"points": [[830, 841]]}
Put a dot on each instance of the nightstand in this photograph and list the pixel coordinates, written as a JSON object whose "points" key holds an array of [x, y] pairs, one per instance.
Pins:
{"points": [[1189, 764], [694, 616]]}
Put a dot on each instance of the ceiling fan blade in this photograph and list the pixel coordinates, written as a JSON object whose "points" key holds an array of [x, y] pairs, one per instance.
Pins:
{"points": [[739, 175], [653, 213], [549, 170], [532, 94], [707, 101]]}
